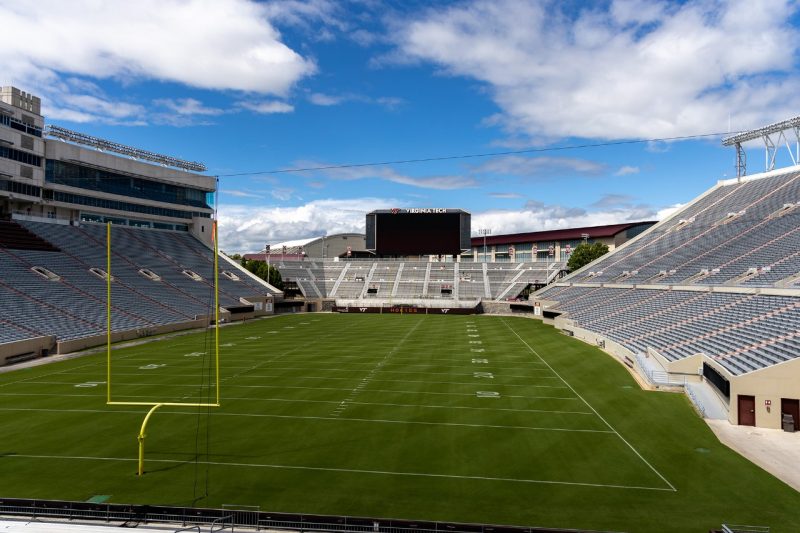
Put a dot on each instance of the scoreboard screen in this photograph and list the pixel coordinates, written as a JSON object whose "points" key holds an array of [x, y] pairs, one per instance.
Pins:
{"points": [[418, 231]]}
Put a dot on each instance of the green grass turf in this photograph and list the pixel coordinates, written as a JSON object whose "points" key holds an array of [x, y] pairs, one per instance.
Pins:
{"points": [[379, 416]]}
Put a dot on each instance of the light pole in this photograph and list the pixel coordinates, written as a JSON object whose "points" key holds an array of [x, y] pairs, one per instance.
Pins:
{"points": [[484, 232]]}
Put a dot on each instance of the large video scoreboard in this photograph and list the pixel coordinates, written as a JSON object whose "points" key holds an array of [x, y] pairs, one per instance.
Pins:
{"points": [[418, 231]]}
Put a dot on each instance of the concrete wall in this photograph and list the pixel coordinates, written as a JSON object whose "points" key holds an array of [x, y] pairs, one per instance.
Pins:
{"points": [[202, 229], [613, 348], [99, 340], [491, 307], [770, 384], [264, 305]]}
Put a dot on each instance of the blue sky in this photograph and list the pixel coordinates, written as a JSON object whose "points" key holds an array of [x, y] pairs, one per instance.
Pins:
{"points": [[247, 86]]}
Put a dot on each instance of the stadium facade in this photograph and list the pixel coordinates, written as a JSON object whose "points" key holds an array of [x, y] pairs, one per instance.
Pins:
{"points": [[59, 189], [42, 176]]}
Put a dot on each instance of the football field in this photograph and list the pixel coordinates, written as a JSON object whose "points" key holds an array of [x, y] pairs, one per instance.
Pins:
{"points": [[457, 418]]}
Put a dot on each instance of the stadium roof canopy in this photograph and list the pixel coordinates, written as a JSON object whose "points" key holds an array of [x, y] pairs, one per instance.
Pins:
{"points": [[593, 232]]}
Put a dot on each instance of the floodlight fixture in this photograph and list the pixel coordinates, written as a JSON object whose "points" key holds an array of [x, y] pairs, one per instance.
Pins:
{"points": [[771, 145], [136, 153], [757, 133]]}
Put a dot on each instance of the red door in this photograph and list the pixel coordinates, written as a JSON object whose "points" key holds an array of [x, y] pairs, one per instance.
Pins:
{"points": [[791, 407], [747, 410]]}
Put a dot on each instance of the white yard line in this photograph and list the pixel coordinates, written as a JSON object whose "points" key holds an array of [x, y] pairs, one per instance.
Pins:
{"points": [[470, 394], [326, 378], [340, 470], [493, 382], [301, 417], [475, 408], [366, 380], [332, 357], [634, 450]]}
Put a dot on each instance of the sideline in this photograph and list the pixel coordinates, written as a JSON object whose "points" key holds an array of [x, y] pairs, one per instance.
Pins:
{"points": [[344, 470], [39, 361], [613, 430]]}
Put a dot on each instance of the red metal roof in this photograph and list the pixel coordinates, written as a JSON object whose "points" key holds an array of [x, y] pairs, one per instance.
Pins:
{"points": [[273, 257], [594, 232]]}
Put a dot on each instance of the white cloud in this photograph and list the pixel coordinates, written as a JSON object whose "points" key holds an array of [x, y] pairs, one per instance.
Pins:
{"points": [[182, 112], [188, 106], [625, 170], [515, 165], [365, 38], [268, 107], [614, 200], [301, 13], [282, 193], [246, 228], [386, 173], [633, 69], [225, 44], [82, 101], [219, 45], [240, 194], [390, 102], [505, 195], [324, 99]]}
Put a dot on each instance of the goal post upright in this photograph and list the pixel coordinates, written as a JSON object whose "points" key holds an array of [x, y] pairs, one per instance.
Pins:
{"points": [[214, 236], [108, 312], [153, 404]]}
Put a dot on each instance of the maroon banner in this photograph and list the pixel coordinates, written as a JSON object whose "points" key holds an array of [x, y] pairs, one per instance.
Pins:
{"points": [[399, 309]]}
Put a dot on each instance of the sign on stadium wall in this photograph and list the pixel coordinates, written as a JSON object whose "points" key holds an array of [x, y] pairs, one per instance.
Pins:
{"points": [[398, 309]]}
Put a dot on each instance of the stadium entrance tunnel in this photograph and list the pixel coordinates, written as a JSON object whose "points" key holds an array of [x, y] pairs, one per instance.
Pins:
{"points": [[241, 312], [289, 306]]}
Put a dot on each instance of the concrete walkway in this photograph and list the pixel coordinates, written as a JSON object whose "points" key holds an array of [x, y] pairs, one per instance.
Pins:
{"points": [[774, 450], [712, 406]]}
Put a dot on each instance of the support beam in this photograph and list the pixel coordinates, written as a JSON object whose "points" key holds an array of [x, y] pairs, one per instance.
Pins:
{"points": [[771, 146]]}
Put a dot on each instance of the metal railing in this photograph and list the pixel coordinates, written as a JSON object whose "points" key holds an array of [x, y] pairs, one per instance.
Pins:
{"points": [[190, 518], [659, 377], [696, 401]]}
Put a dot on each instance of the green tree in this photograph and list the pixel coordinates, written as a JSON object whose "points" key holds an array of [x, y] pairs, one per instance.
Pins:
{"points": [[583, 254], [264, 271]]}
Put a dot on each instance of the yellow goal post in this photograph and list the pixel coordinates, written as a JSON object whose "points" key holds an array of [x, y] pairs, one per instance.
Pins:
{"points": [[153, 404]]}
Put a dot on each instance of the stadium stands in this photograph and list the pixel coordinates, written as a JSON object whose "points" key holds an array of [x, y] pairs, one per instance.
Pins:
{"points": [[61, 291], [401, 280], [743, 233], [717, 278]]}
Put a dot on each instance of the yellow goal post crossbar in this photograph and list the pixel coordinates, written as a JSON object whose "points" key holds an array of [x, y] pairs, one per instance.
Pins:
{"points": [[153, 404]]}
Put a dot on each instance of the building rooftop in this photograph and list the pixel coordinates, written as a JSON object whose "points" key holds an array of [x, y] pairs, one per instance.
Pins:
{"points": [[594, 232]]}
